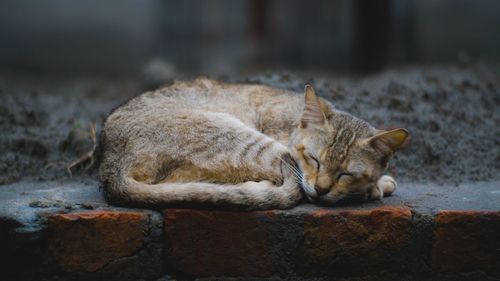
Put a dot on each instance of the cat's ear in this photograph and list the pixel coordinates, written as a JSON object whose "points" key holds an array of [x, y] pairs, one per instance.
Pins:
{"points": [[312, 113], [389, 141]]}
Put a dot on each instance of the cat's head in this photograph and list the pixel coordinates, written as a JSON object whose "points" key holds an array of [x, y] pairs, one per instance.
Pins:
{"points": [[339, 155]]}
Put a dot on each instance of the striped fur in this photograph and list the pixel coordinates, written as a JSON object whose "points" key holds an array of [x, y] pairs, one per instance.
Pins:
{"points": [[204, 142]]}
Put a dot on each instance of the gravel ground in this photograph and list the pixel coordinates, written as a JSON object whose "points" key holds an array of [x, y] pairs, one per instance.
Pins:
{"points": [[452, 114]]}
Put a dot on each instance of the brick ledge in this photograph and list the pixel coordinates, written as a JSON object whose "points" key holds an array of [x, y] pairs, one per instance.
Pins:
{"points": [[121, 244]]}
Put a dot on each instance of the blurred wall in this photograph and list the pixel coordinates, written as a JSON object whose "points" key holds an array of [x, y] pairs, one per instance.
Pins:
{"points": [[75, 36], [223, 36], [447, 28]]}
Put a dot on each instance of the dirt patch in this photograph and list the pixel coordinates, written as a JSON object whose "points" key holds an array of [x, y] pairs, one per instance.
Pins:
{"points": [[452, 114], [46, 123]]}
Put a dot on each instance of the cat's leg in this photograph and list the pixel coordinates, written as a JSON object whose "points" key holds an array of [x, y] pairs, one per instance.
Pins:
{"points": [[385, 186], [218, 160], [220, 146]]}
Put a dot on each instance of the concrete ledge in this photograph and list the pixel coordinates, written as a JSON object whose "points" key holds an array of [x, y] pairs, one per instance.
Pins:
{"points": [[69, 239]]}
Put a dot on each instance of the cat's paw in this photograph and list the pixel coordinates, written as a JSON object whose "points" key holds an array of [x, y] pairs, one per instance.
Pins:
{"points": [[375, 193], [386, 185]]}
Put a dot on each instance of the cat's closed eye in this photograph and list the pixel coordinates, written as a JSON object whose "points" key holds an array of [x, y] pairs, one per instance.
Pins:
{"points": [[344, 175], [315, 160]]}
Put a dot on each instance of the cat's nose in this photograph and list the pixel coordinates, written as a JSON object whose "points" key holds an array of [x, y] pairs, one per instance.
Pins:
{"points": [[321, 190]]}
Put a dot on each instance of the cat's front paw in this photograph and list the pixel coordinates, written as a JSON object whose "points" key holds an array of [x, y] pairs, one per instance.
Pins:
{"points": [[374, 193], [387, 185]]}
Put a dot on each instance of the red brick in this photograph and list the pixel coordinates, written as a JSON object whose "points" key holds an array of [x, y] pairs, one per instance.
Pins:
{"points": [[467, 241], [216, 243], [348, 243], [88, 241]]}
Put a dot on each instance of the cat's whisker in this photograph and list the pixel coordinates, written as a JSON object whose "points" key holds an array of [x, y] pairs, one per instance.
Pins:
{"points": [[297, 173], [293, 169]]}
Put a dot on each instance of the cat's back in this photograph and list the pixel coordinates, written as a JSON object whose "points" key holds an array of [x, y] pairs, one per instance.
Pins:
{"points": [[202, 94]]}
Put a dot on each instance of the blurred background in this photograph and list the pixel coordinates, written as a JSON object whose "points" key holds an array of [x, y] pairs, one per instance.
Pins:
{"points": [[227, 36]]}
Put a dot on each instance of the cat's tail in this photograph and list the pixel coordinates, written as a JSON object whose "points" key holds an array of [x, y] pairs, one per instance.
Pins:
{"points": [[248, 195]]}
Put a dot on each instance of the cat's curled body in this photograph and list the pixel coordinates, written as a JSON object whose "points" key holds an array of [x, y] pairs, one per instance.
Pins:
{"points": [[240, 146]]}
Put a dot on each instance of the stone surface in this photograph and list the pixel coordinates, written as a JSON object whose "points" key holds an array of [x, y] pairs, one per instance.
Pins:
{"points": [[257, 244], [216, 243], [23, 201], [467, 241], [347, 243], [430, 197]]}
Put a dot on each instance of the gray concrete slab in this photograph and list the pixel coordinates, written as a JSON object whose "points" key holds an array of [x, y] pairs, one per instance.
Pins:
{"points": [[432, 197], [427, 198], [23, 202]]}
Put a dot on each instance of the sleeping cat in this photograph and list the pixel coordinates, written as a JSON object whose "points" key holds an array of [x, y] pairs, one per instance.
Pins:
{"points": [[240, 146]]}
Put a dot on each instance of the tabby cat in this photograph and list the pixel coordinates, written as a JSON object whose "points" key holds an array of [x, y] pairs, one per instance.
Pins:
{"points": [[240, 146]]}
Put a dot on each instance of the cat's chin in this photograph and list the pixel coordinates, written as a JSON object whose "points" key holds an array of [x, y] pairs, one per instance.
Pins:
{"points": [[312, 196]]}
